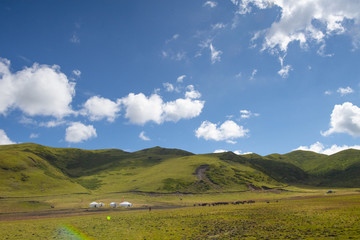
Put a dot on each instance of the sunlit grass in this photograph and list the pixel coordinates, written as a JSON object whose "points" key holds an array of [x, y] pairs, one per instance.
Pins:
{"points": [[335, 217]]}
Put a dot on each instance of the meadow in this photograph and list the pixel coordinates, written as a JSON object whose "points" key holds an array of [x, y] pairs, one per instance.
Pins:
{"points": [[301, 215]]}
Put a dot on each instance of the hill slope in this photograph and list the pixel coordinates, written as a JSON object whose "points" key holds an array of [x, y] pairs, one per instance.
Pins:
{"points": [[35, 169]]}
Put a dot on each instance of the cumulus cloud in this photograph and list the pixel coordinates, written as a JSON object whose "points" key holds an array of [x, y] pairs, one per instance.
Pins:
{"points": [[229, 130], [140, 109], [36, 90], [215, 55], [182, 109], [78, 132], [318, 147], [345, 91], [304, 21], [98, 108], [4, 139], [211, 4], [238, 152], [344, 118], [192, 93], [143, 137]]}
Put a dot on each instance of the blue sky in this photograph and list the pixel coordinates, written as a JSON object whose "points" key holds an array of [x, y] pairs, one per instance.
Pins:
{"points": [[263, 76]]}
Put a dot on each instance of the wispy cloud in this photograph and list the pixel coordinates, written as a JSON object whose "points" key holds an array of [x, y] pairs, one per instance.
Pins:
{"points": [[252, 77], [211, 4], [215, 54], [345, 91], [143, 137], [180, 79], [75, 38]]}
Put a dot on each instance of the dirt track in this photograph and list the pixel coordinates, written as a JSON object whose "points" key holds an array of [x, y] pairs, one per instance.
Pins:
{"points": [[68, 213]]}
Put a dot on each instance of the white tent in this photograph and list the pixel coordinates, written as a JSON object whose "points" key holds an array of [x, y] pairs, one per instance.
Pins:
{"points": [[99, 205], [125, 204], [113, 204], [93, 204]]}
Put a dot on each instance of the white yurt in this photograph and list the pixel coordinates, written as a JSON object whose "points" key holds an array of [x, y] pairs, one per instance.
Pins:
{"points": [[99, 205], [113, 204], [125, 204], [93, 204]]}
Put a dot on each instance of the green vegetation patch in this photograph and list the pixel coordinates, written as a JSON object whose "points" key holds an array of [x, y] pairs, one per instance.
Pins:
{"points": [[90, 183], [314, 218]]}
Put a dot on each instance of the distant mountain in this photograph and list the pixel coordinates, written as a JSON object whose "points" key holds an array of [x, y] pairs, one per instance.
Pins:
{"points": [[32, 169]]}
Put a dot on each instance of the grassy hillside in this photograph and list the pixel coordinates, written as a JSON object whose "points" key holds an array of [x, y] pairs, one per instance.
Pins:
{"points": [[35, 169], [341, 169], [25, 174]]}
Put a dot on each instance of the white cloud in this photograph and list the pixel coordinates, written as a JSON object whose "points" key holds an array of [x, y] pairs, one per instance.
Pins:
{"points": [[345, 118], [37, 90], [192, 93], [182, 109], [4, 139], [34, 135], [168, 87], [229, 130], [304, 21], [98, 108], [247, 114], [238, 152], [215, 55], [345, 91], [180, 79], [52, 123], [328, 92], [220, 151], [284, 71], [76, 72], [75, 38], [238, 75], [173, 38], [217, 26], [143, 137], [252, 77], [176, 56], [140, 109], [320, 148], [78, 132], [211, 4]]}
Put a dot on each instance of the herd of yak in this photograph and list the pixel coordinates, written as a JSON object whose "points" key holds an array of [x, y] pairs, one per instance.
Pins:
{"points": [[223, 203]]}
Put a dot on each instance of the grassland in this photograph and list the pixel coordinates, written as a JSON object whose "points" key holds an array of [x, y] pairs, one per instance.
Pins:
{"points": [[48, 190], [322, 217]]}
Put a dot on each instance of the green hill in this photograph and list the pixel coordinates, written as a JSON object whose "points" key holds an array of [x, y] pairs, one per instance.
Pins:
{"points": [[32, 169]]}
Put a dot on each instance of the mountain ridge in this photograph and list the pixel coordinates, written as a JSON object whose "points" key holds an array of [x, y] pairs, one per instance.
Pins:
{"points": [[157, 169]]}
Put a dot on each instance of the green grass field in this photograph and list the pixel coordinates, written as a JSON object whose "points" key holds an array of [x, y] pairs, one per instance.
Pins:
{"points": [[324, 217], [45, 193]]}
